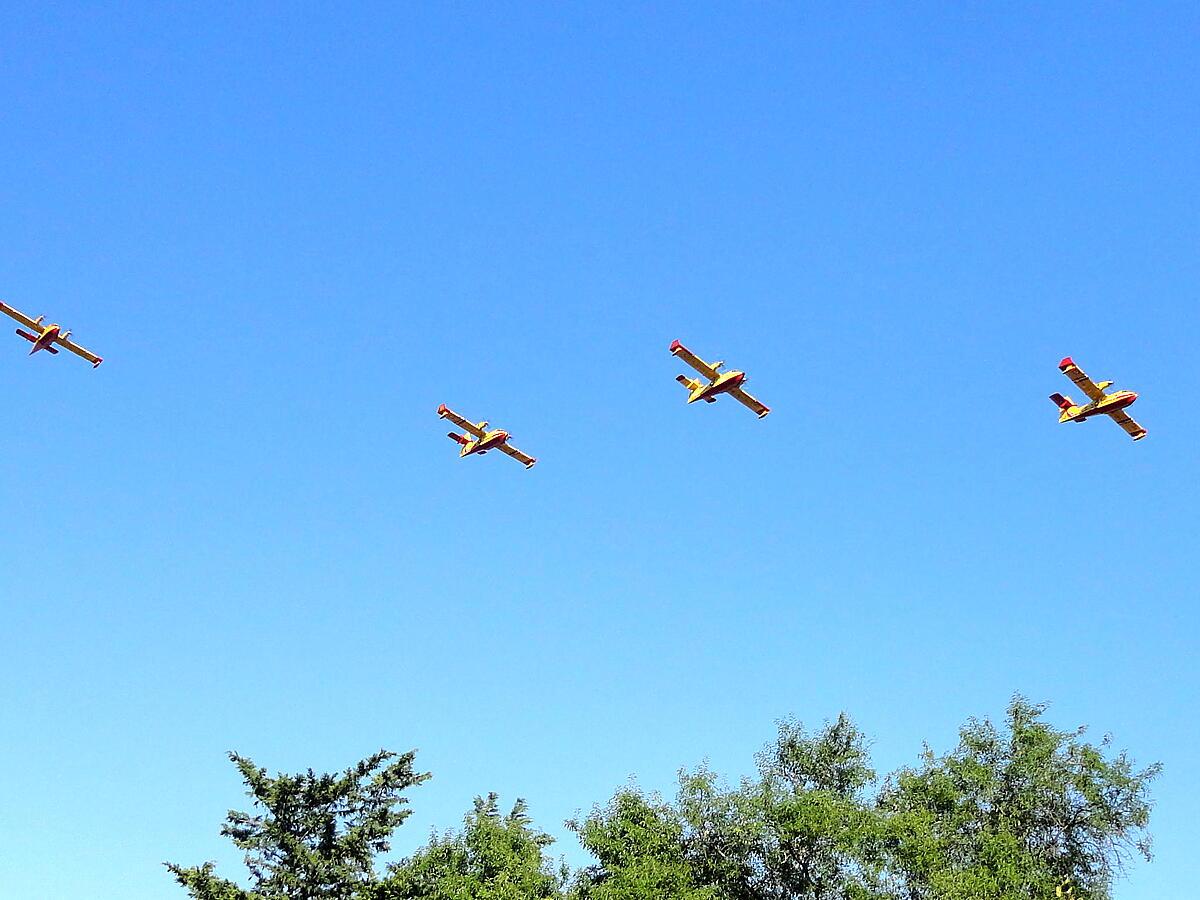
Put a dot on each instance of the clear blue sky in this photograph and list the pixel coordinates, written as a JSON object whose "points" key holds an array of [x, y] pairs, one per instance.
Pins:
{"points": [[294, 232]]}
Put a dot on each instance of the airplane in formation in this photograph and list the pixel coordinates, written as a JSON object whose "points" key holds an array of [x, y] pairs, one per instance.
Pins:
{"points": [[1101, 404], [51, 337], [718, 382], [482, 440], [45, 337]]}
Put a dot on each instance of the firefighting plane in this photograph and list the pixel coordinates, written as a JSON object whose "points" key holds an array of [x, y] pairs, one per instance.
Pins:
{"points": [[718, 382], [482, 440], [1112, 405], [45, 337]]}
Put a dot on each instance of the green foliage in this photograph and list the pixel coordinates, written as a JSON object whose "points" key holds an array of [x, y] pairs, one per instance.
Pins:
{"points": [[1009, 814], [804, 828], [638, 844], [495, 857], [317, 835]]}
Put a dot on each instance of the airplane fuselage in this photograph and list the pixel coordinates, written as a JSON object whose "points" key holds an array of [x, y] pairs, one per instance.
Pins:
{"points": [[725, 382], [489, 441], [46, 339], [1106, 404]]}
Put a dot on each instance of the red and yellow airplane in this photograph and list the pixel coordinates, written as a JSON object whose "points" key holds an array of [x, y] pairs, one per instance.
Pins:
{"points": [[1112, 405], [482, 440], [44, 337], [718, 382]]}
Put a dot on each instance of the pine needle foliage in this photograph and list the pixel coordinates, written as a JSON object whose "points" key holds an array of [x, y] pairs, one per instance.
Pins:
{"points": [[311, 836]]}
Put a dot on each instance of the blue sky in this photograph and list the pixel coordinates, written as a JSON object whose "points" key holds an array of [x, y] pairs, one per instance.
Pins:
{"points": [[293, 232]]}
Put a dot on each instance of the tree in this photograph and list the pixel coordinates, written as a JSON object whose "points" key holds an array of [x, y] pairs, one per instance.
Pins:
{"points": [[806, 828], [1009, 814], [495, 857], [317, 835], [803, 829], [638, 844]]}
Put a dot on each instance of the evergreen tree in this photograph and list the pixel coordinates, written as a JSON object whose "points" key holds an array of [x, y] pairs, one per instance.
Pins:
{"points": [[312, 837]]}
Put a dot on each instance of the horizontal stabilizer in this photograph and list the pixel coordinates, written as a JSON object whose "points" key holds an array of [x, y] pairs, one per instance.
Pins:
{"points": [[1061, 401], [687, 382], [457, 438], [25, 334]]}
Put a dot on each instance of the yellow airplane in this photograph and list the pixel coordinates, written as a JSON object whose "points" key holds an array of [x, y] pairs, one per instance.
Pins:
{"points": [[44, 337], [718, 382], [1112, 405], [482, 440]]}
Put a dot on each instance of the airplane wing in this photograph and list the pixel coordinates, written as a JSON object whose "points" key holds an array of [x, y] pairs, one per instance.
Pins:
{"points": [[81, 351], [677, 349], [749, 402], [20, 317], [1085, 384], [469, 427], [1132, 428], [526, 461]]}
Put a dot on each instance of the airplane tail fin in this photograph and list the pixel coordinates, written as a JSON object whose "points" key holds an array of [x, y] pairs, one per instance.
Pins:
{"points": [[457, 438], [1063, 403], [25, 334], [688, 383]]}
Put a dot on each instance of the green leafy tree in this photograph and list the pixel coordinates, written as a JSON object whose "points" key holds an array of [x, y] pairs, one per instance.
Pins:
{"points": [[638, 844], [494, 857], [805, 828], [1012, 812], [311, 837]]}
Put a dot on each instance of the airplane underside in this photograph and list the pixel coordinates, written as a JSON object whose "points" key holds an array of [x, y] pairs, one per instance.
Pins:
{"points": [[1100, 411], [710, 392]]}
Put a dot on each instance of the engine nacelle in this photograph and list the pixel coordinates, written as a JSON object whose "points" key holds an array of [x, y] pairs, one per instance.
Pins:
{"points": [[1104, 384]]}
